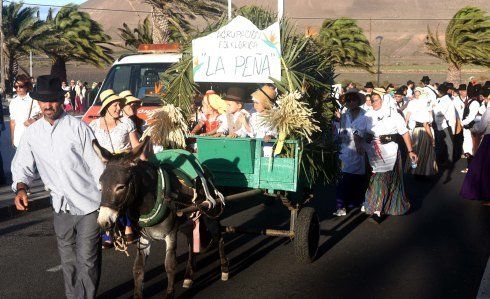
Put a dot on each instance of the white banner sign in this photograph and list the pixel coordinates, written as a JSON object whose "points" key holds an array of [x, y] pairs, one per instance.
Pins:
{"points": [[238, 52]]}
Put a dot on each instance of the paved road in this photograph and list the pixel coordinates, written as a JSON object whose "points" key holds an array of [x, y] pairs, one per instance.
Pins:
{"points": [[440, 250]]}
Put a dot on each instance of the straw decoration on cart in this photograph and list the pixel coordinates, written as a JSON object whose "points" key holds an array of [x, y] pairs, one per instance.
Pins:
{"points": [[167, 127]]}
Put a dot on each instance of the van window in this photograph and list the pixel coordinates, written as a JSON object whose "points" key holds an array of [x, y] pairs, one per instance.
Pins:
{"points": [[144, 81]]}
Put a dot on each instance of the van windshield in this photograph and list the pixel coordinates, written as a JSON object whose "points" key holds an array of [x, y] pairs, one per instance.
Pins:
{"points": [[144, 81]]}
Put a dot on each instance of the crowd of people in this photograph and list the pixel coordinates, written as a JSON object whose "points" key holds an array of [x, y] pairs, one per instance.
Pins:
{"points": [[423, 130], [381, 132]]}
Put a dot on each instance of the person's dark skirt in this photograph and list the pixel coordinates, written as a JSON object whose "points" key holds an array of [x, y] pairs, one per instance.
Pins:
{"points": [[476, 183]]}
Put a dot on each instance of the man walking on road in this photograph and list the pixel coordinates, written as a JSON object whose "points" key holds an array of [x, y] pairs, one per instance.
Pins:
{"points": [[59, 146]]}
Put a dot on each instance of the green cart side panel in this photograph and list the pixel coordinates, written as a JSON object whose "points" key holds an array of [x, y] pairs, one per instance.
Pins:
{"points": [[278, 174], [238, 163], [227, 155]]}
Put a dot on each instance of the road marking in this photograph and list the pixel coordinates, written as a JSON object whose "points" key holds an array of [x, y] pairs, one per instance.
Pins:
{"points": [[484, 291], [54, 269]]}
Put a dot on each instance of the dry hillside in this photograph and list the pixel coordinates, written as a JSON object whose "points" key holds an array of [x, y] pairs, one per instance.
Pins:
{"points": [[391, 19]]}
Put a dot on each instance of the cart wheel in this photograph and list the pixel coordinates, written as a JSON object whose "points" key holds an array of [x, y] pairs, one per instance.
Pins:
{"points": [[306, 235]]}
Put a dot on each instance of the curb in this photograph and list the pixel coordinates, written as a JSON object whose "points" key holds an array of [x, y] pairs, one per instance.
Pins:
{"points": [[35, 204]]}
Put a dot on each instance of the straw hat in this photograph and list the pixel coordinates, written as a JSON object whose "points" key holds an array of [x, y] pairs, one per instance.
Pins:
{"points": [[419, 89], [379, 91], [215, 101], [266, 95], [128, 97], [107, 97]]}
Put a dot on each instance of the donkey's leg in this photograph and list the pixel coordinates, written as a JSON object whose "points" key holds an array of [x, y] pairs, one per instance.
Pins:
{"points": [[143, 250], [191, 263], [171, 262]]}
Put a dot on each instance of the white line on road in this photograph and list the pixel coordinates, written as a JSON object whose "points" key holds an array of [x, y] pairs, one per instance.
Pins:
{"points": [[484, 291], [54, 269]]}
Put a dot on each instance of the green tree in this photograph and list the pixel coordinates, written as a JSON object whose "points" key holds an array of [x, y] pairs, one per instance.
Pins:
{"points": [[139, 35], [76, 37], [176, 13], [345, 44], [23, 32], [467, 41]]}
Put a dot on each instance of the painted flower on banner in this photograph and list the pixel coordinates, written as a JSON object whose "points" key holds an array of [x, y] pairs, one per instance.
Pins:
{"points": [[196, 65], [271, 41]]}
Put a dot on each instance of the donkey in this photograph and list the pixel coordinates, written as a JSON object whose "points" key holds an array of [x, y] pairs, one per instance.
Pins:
{"points": [[129, 186]]}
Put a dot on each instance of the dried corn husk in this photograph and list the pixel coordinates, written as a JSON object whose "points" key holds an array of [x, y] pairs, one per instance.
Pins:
{"points": [[292, 118], [167, 127]]}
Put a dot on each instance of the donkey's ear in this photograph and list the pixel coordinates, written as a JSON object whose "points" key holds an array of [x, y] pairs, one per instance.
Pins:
{"points": [[137, 151], [103, 154]]}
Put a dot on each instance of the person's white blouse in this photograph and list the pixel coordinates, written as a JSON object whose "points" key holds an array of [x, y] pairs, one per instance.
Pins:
{"points": [[260, 127], [382, 157], [116, 140], [419, 112]]}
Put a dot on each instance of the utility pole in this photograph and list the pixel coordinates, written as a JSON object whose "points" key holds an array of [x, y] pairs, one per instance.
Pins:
{"points": [[2, 64]]}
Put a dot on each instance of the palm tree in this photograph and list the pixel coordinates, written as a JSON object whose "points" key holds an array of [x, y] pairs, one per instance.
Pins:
{"points": [[23, 32], [142, 34], [77, 38], [177, 13], [139, 35], [345, 43], [467, 41]]}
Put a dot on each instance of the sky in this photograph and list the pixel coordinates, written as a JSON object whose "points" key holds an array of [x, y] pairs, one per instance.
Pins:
{"points": [[44, 9]]}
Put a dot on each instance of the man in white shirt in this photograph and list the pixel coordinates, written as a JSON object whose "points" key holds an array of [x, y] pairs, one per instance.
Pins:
{"points": [[468, 116], [23, 109], [410, 89], [430, 90], [445, 119]]}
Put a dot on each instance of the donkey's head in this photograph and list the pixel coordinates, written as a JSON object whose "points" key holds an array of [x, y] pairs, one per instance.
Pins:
{"points": [[119, 182]]}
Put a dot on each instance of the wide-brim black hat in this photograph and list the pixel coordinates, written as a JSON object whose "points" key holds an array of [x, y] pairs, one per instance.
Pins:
{"points": [[360, 96], [425, 79], [48, 89], [462, 87], [369, 85]]}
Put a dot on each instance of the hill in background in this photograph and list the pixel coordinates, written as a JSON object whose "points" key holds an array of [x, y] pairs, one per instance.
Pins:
{"points": [[394, 20]]}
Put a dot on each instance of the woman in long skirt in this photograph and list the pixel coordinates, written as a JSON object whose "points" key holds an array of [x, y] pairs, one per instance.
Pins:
{"points": [[418, 119], [476, 184], [386, 193]]}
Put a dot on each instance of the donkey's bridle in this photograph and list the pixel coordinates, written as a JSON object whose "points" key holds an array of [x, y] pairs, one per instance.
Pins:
{"points": [[131, 191]]}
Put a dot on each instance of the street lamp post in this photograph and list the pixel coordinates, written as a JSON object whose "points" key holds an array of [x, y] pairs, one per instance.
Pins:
{"points": [[379, 38]]}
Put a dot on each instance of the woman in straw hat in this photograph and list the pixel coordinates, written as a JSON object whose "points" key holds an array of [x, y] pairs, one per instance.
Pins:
{"points": [[117, 136], [386, 193], [418, 118], [213, 111], [263, 99], [130, 110]]}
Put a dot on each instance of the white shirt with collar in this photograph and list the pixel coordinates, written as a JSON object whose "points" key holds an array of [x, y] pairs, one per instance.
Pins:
{"points": [[459, 106], [472, 113], [19, 112], [445, 113]]}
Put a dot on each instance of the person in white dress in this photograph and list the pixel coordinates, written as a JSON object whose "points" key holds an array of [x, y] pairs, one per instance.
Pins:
{"points": [[353, 127], [418, 119], [116, 135], [24, 111], [386, 193]]}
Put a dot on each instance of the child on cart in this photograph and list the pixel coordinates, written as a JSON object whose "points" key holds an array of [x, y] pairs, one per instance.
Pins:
{"points": [[236, 119], [213, 114], [264, 99]]}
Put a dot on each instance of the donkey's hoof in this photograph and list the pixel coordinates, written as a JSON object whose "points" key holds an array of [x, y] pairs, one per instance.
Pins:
{"points": [[224, 276], [187, 283]]}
